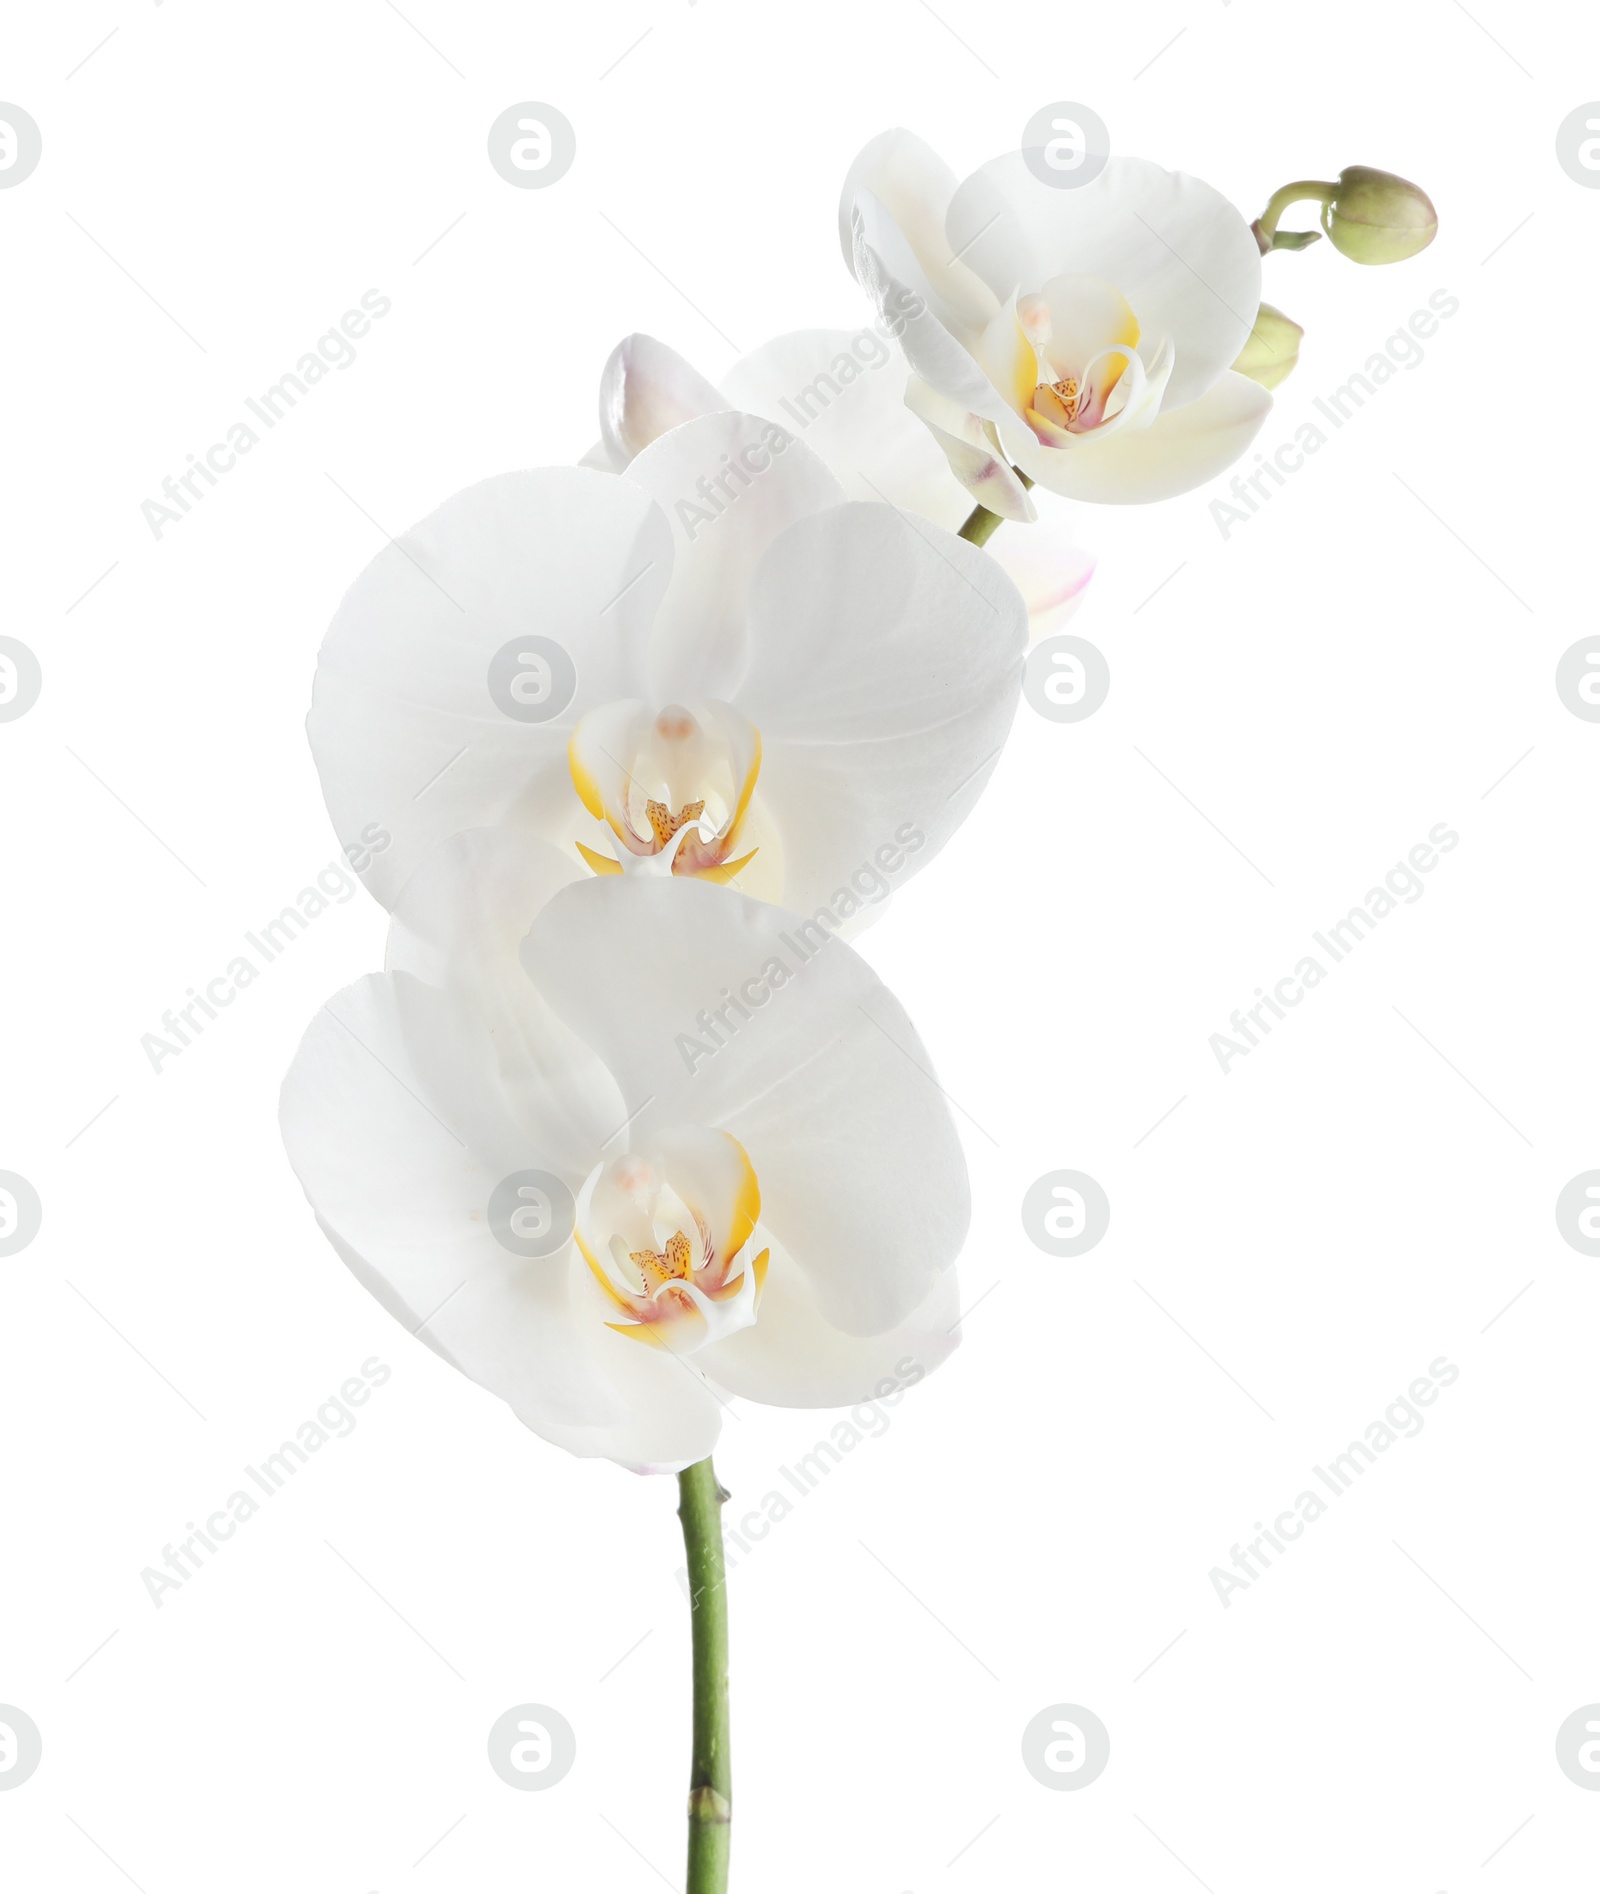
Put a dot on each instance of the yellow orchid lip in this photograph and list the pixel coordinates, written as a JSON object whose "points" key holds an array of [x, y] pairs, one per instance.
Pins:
{"points": [[674, 783], [665, 1234]]}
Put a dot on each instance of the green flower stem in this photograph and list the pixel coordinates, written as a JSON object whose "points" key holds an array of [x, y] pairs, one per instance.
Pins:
{"points": [[710, 1776], [978, 527], [1266, 225]]}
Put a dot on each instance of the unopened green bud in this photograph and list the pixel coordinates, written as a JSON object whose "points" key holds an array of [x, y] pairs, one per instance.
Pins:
{"points": [[1272, 349], [1376, 217], [1370, 216]]}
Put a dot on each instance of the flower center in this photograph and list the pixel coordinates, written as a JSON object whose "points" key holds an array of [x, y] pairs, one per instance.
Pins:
{"points": [[664, 824], [672, 786], [666, 1234], [1065, 392], [1078, 339], [663, 1266]]}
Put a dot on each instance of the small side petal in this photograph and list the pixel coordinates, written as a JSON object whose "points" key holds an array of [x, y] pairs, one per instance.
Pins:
{"points": [[971, 453], [646, 389]]}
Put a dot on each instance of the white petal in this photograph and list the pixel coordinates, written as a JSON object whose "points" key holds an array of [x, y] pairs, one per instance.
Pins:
{"points": [[900, 189], [843, 389], [645, 390], [1177, 250], [406, 736], [401, 1182], [730, 483], [458, 925], [460, 919], [601, 458], [1048, 568], [1084, 316], [385, 1168], [641, 1406], [823, 1082], [885, 667], [906, 309], [971, 453], [1009, 359], [792, 1356], [1181, 450]]}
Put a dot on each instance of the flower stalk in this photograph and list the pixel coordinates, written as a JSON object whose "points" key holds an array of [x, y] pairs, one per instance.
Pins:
{"points": [[979, 526], [1269, 237], [700, 1498]]}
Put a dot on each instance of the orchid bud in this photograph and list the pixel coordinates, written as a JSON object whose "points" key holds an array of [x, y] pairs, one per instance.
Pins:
{"points": [[1271, 349], [1376, 217], [1370, 216]]}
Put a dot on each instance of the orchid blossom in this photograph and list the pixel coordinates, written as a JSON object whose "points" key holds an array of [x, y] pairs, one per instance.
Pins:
{"points": [[737, 1176], [1081, 337], [719, 667]]}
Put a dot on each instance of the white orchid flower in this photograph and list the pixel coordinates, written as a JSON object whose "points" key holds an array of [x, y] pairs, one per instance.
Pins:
{"points": [[712, 664], [845, 391], [1083, 336], [747, 1183]]}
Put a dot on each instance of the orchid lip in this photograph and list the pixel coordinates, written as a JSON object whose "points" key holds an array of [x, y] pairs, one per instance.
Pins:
{"points": [[673, 786], [668, 1236]]}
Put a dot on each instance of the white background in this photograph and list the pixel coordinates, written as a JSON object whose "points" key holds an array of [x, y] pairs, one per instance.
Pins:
{"points": [[1291, 1247]]}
